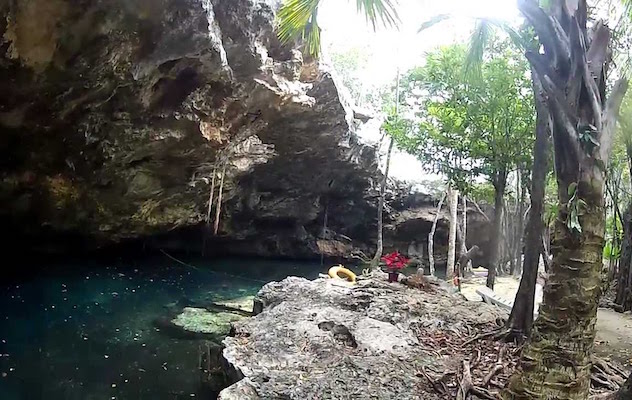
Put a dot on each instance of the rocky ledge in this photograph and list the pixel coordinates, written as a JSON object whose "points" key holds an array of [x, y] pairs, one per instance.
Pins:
{"points": [[321, 340]]}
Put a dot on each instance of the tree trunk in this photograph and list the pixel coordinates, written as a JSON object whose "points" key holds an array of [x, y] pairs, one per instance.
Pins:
{"points": [[431, 236], [556, 360], [561, 342], [465, 258], [500, 181], [624, 278], [453, 199], [521, 317], [518, 249], [625, 392], [464, 226], [380, 207]]}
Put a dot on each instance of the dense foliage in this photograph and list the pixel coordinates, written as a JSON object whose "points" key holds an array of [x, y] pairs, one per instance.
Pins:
{"points": [[470, 125]]}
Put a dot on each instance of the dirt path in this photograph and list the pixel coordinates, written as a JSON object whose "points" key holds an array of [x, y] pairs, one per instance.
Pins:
{"points": [[614, 330], [614, 336]]}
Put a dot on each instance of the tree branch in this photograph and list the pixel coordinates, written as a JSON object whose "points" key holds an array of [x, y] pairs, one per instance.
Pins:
{"points": [[589, 79], [546, 75], [547, 28], [596, 54], [610, 115]]}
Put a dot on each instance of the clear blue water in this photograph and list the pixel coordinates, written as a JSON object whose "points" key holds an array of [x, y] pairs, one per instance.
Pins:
{"points": [[84, 331]]}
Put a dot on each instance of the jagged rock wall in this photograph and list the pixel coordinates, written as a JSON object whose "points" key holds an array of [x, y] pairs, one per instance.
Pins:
{"points": [[115, 115]]}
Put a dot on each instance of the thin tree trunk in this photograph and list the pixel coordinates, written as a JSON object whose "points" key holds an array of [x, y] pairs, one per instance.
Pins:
{"points": [[463, 232], [465, 258], [431, 236], [500, 182], [519, 226], [623, 299], [464, 225], [521, 317], [453, 199], [380, 208]]}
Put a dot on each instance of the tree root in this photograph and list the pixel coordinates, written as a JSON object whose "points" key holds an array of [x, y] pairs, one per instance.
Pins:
{"points": [[606, 376], [465, 383], [437, 384], [484, 393], [497, 368], [490, 360], [495, 335]]}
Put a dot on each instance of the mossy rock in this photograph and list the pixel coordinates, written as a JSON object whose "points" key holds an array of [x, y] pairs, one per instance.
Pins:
{"points": [[200, 320]]}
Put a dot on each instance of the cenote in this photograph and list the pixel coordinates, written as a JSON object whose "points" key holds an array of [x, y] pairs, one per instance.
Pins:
{"points": [[87, 329]]}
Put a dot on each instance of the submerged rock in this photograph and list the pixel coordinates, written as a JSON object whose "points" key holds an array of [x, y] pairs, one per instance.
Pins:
{"points": [[244, 303], [212, 322], [200, 320], [314, 339]]}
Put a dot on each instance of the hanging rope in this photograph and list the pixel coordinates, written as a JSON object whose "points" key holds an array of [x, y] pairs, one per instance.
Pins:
{"points": [[210, 197], [218, 209], [209, 271]]}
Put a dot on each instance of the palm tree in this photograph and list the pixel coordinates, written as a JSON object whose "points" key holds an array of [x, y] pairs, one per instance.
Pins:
{"points": [[298, 20], [572, 71]]}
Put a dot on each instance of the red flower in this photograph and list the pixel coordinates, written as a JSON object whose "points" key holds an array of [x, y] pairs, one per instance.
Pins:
{"points": [[395, 261]]}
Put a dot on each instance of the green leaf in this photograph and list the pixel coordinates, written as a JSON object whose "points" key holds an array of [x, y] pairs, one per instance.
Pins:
{"points": [[572, 188], [433, 21], [573, 221], [298, 19], [384, 10]]}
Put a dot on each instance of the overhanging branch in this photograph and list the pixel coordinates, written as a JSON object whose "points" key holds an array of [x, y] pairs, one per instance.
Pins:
{"points": [[610, 115]]}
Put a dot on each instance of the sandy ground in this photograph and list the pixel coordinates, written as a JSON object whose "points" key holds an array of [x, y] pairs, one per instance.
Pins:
{"points": [[614, 330]]}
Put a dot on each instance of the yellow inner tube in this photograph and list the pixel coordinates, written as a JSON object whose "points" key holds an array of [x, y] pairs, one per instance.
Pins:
{"points": [[340, 272]]}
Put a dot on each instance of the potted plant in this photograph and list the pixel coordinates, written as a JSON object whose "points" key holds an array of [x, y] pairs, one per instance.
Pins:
{"points": [[394, 263]]}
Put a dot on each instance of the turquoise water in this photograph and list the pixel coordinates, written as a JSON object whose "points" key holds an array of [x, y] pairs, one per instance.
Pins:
{"points": [[85, 331]]}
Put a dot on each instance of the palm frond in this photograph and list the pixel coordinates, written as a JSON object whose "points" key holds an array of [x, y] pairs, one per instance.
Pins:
{"points": [[433, 21], [384, 10], [482, 36], [479, 41], [297, 19]]}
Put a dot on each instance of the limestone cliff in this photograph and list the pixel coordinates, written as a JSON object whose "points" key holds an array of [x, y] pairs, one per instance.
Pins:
{"points": [[115, 117]]}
